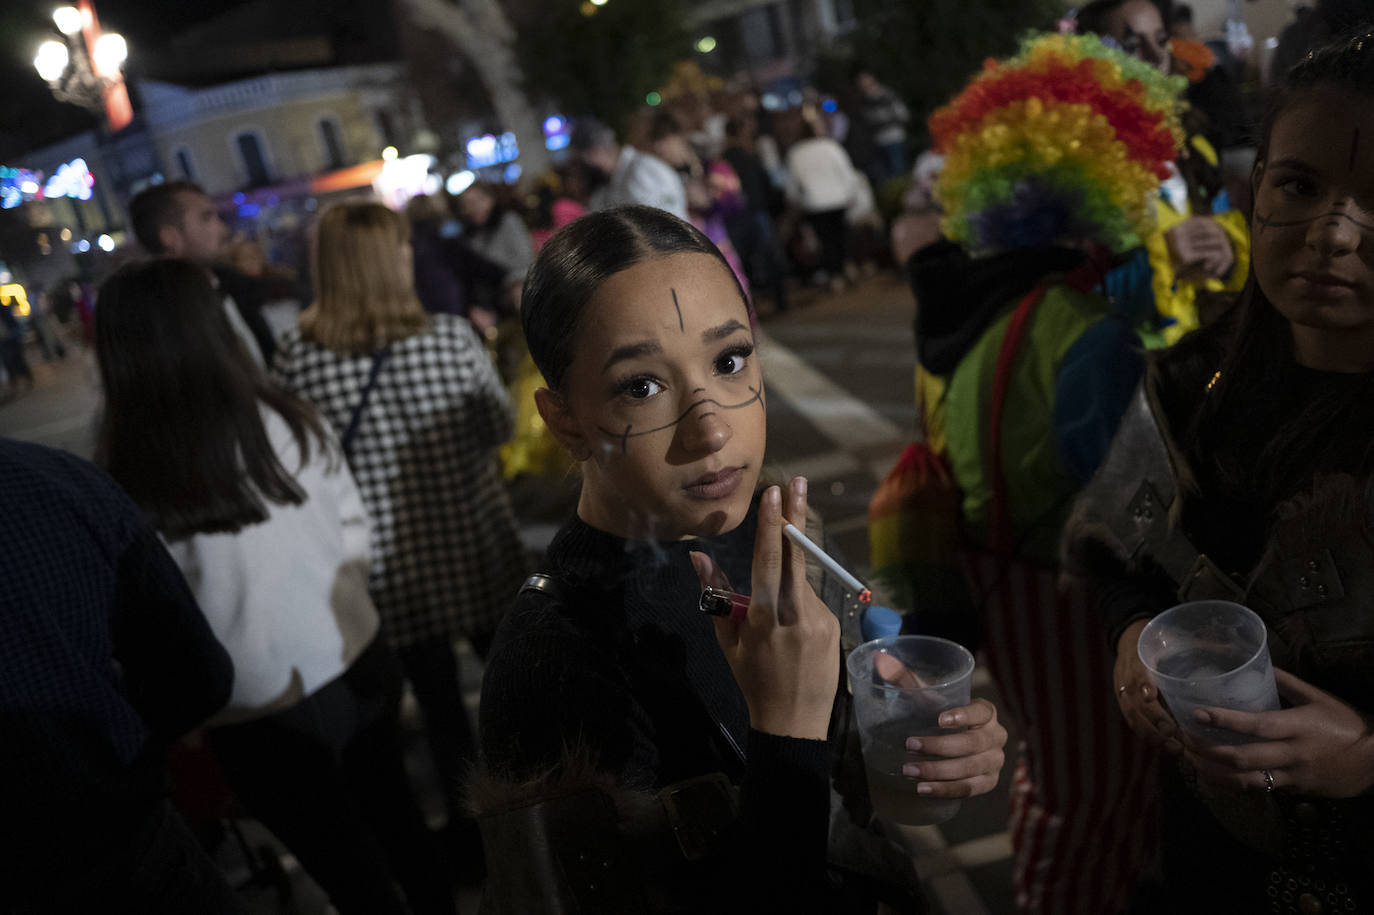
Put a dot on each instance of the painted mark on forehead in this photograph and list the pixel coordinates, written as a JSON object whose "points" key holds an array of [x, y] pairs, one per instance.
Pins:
{"points": [[629, 432], [680, 325]]}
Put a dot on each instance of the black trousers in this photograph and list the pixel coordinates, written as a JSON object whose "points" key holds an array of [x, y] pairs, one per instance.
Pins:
{"points": [[327, 777], [160, 869], [830, 229], [432, 669]]}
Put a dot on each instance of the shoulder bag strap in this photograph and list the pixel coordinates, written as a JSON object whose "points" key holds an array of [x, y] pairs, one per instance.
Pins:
{"points": [[378, 360]]}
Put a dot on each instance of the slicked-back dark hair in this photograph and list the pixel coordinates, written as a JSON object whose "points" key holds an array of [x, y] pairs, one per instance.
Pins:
{"points": [[1258, 365], [582, 256], [182, 432], [155, 207]]}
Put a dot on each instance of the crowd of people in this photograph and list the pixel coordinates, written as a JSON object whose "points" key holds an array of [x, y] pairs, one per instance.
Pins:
{"points": [[1144, 393]]}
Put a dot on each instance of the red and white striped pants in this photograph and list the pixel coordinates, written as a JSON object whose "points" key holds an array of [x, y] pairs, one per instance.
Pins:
{"points": [[1084, 815]]}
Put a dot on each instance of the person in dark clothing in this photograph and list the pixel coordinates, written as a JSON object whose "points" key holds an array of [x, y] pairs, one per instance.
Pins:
{"points": [[605, 676], [104, 660], [178, 219], [751, 229], [884, 117], [1252, 438], [12, 344], [448, 273]]}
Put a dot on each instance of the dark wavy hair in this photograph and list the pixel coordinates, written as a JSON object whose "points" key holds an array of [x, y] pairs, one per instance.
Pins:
{"points": [[1231, 433], [181, 430], [583, 255]]}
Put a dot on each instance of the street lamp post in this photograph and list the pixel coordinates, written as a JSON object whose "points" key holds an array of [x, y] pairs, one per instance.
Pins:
{"points": [[84, 67]]}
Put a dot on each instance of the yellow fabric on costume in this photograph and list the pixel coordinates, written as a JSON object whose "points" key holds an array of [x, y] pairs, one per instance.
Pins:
{"points": [[532, 449], [1178, 300], [930, 412]]}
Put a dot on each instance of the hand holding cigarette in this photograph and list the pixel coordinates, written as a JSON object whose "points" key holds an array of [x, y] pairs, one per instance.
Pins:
{"points": [[784, 650]]}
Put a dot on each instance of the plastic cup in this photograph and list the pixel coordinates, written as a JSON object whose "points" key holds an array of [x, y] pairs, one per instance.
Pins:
{"points": [[1210, 653], [901, 684]]}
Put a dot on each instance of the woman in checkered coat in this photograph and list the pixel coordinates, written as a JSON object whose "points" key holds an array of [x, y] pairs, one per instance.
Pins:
{"points": [[420, 410]]}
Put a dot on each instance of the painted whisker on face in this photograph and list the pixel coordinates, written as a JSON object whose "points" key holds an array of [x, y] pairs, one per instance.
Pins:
{"points": [[624, 437], [678, 307], [1265, 222]]}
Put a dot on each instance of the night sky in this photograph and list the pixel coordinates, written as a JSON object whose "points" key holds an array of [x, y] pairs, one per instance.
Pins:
{"points": [[29, 116]]}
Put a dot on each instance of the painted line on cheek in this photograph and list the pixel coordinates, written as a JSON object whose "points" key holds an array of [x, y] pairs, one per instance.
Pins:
{"points": [[1266, 223], [628, 434], [680, 325]]}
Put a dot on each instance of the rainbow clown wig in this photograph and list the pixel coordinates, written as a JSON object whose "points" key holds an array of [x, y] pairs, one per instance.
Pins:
{"points": [[1065, 142]]}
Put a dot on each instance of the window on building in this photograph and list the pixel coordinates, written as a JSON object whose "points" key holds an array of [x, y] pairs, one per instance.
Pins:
{"points": [[332, 138], [183, 157], [761, 32], [254, 160], [843, 13]]}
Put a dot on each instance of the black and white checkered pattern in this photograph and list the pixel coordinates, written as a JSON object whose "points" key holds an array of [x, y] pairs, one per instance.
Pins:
{"points": [[446, 552]]}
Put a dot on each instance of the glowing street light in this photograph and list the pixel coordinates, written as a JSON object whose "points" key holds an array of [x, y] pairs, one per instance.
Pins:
{"points": [[706, 44], [110, 53], [51, 60], [84, 68], [68, 19]]}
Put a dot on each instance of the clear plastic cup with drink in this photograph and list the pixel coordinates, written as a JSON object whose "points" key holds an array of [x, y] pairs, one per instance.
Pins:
{"points": [[1209, 653], [901, 685]]}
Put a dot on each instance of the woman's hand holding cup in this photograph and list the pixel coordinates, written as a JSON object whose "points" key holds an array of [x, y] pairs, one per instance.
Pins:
{"points": [[1137, 696]]}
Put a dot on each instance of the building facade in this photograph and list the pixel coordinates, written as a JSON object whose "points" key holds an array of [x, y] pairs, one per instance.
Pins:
{"points": [[269, 129]]}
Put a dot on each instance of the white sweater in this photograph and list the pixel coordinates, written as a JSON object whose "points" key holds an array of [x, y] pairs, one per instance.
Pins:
{"points": [[287, 597], [820, 176]]}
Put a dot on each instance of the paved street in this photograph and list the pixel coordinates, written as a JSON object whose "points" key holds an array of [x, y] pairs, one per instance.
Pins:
{"points": [[839, 373]]}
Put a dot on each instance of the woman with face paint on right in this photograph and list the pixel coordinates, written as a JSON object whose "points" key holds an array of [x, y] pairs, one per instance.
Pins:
{"points": [[1264, 429]]}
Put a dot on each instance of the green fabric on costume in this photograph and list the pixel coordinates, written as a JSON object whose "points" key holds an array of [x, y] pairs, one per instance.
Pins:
{"points": [[1039, 489]]}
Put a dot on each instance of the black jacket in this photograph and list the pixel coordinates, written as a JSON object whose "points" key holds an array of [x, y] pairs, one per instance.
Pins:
{"points": [[105, 658]]}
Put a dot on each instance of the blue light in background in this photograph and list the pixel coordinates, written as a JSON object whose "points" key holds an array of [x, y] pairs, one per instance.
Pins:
{"points": [[248, 210], [829, 106]]}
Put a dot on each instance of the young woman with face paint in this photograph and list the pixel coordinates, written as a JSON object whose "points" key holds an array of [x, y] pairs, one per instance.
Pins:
{"points": [[1267, 420], [609, 675]]}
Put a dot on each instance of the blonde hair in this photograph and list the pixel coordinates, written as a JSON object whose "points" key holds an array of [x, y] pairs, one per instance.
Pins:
{"points": [[364, 288]]}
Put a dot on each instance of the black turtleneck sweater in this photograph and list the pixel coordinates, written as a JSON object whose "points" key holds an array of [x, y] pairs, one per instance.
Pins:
{"points": [[625, 666]]}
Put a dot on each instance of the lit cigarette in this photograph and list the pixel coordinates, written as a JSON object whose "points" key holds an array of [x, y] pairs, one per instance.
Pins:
{"points": [[839, 571]]}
